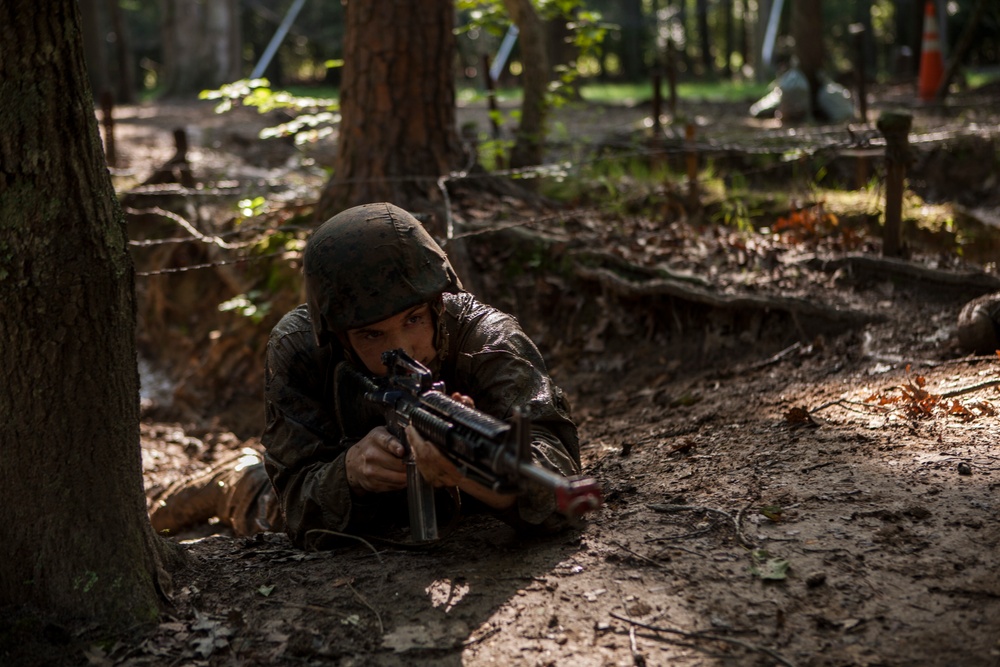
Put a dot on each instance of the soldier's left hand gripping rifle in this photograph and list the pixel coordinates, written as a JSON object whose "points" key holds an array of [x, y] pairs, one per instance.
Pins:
{"points": [[490, 451]]}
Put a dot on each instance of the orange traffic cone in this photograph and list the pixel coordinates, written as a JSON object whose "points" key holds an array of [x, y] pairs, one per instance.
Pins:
{"points": [[931, 62]]}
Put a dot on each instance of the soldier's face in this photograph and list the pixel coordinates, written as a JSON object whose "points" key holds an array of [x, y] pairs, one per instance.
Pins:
{"points": [[411, 330]]}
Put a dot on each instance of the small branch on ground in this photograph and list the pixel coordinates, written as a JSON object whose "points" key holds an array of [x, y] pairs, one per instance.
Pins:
{"points": [[645, 559], [669, 509], [968, 390], [702, 635]]}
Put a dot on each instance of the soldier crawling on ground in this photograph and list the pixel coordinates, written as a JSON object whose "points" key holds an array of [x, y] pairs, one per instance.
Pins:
{"points": [[376, 281]]}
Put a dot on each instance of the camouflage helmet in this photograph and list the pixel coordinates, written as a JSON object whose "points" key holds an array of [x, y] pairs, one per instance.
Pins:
{"points": [[368, 263]]}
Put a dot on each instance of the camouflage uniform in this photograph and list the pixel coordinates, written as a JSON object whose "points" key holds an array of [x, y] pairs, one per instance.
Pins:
{"points": [[362, 266], [314, 415]]}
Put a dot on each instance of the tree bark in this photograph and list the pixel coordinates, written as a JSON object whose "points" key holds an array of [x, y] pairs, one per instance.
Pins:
{"points": [[397, 102], [77, 540], [94, 43], [123, 55], [962, 49], [729, 46], [535, 77], [807, 29], [198, 47], [705, 38], [633, 41]]}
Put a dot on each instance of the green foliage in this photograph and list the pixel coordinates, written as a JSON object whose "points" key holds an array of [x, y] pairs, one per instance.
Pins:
{"points": [[305, 127], [735, 208], [250, 305], [586, 28], [493, 153], [250, 208], [709, 91]]}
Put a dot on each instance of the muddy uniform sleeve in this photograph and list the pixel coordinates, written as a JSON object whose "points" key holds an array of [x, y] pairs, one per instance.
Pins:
{"points": [[304, 448], [500, 367]]}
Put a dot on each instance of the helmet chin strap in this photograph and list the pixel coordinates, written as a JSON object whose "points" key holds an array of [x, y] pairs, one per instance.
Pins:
{"points": [[350, 353]]}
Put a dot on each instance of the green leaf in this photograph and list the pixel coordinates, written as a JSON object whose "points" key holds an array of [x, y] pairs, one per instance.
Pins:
{"points": [[265, 590]]}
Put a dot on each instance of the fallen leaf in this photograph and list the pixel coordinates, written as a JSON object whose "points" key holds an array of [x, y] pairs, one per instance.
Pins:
{"points": [[800, 417], [768, 567]]}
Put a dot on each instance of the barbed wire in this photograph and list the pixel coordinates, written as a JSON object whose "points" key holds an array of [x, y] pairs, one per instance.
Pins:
{"points": [[797, 145], [211, 265]]}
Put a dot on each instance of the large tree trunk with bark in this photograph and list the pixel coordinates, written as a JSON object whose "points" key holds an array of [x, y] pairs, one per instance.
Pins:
{"points": [[397, 102], [535, 77], [201, 44], [77, 540]]}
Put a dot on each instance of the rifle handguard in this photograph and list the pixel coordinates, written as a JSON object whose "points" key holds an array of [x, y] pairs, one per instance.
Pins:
{"points": [[495, 453]]}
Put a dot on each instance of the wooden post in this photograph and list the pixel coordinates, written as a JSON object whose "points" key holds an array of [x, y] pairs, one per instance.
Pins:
{"points": [[691, 159], [657, 104], [895, 127], [672, 77], [185, 177], [108, 120]]}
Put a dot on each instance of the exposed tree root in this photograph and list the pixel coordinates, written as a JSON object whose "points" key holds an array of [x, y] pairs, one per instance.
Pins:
{"points": [[704, 295], [868, 266]]}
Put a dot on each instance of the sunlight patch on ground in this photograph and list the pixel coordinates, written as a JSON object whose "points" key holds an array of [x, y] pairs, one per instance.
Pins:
{"points": [[446, 593]]}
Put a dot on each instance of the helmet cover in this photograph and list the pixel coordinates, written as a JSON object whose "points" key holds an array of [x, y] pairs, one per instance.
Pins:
{"points": [[368, 263]]}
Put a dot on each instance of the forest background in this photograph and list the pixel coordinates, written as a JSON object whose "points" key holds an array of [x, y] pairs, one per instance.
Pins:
{"points": [[634, 202]]}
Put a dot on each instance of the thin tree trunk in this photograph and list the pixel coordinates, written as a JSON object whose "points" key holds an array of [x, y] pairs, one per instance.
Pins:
{"points": [[530, 136], [961, 49], [729, 20], [126, 69], [94, 45], [197, 47], [77, 540], [632, 41], [705, 38], [807, 29]]}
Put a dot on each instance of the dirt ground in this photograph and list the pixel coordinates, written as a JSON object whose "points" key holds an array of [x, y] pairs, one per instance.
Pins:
{"points": [[777, 491]]}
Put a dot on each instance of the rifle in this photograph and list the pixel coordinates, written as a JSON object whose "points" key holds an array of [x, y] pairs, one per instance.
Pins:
{"points": [[495, 453]]}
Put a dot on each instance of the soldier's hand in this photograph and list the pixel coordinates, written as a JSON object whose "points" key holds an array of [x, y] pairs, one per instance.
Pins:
{"points": [[463, 399], [433, 465], [375, 463]]}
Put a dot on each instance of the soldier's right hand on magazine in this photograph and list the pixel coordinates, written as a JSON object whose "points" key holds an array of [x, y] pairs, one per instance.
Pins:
{"points": [[375, 463]]}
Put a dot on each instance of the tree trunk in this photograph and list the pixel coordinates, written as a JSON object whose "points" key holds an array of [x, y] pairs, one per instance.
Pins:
{"points": [[77, 540], [705, 38], [684, 46], [94, 43], [198, 49], [530, 135], [123, 54], [397, 102], [729, 47], [807, 29], [633, 42]]}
